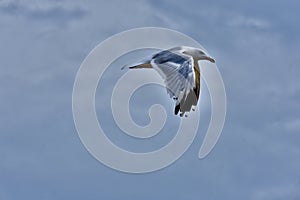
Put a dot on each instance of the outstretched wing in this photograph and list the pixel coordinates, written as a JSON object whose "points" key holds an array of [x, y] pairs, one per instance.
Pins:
{"points": [[180, 78]]}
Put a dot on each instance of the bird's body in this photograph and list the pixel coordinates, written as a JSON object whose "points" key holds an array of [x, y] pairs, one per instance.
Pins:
{"points": [[181, 73]]}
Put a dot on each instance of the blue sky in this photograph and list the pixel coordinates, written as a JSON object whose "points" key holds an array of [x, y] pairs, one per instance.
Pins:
{"points": [[256, 45]]}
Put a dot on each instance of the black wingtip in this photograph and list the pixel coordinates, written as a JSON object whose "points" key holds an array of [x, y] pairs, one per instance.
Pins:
{"points": [[177, 108], [128, 67]]}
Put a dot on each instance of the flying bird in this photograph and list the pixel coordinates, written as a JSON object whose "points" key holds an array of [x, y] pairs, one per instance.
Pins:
{"points": [[180, 70]]}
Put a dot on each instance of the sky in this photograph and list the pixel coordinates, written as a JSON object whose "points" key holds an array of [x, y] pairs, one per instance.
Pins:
{"points": [[256, 46]]}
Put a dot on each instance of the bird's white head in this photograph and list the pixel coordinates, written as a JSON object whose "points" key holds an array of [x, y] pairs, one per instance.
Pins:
{"points": [[197, 54]]}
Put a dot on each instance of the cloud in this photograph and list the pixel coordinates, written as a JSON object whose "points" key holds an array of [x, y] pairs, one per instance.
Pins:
{"points": [[256, 50], [42, 10], [291, 192], [292, 125], [248, 22]]}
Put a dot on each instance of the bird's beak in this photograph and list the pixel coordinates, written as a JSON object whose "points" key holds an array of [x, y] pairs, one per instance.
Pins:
{"points": [[209, 59]]}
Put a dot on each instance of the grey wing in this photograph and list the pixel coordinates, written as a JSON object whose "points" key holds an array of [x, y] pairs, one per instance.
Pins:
{"points": [[179, 78]]}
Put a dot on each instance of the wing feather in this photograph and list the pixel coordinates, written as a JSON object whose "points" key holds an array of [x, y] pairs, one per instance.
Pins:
{"points": [[180, 78]]}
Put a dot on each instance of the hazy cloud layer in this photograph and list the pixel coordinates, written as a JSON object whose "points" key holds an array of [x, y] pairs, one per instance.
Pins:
{"points": [[42, 10], [256, 46]]}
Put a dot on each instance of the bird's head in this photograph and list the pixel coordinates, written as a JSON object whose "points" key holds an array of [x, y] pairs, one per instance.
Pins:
{"points": [[197, 54]]}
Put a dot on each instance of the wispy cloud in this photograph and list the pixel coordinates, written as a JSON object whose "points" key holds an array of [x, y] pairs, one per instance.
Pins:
{"points": [[291, 192], [255, 51], [42, 10], [248, 22]]}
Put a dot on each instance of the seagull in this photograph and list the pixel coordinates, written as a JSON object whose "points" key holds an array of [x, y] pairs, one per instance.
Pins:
{"points": [[180, 71]]}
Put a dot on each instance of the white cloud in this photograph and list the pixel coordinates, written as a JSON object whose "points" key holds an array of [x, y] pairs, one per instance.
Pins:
{"points": [[250, 22], [284, 192], [35, 10], [293, 125], [39, 62]]}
